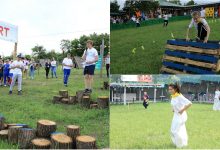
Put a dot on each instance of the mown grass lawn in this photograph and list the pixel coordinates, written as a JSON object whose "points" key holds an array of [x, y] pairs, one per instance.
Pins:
{"points": [[153, 38], [36, 103], [135, 127]]}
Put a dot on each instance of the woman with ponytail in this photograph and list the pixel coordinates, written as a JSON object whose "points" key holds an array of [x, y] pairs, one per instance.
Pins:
{"points": [[180, 104]]}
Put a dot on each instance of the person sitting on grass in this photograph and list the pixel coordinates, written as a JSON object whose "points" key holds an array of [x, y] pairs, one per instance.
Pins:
{"points": [[90, 56], [67, 66], [203, 29], [146, 99], [17, 67]]}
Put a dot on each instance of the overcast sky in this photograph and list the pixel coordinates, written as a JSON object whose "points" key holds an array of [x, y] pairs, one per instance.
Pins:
{"points": [[47, 22]]}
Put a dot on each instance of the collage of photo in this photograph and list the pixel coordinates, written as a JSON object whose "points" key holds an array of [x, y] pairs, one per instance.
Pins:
{"points": [[110, 74]]}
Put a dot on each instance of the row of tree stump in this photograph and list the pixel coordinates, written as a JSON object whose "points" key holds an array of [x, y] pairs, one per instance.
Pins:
{"points": [[45, 136], [82, 98]]}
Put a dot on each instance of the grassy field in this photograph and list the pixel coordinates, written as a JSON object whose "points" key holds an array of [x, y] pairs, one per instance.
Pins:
{"points": [[135, 127], [153, 39], [36, 103]]}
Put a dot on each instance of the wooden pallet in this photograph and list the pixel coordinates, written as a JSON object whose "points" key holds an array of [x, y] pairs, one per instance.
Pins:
{"points": [[187, 57]]}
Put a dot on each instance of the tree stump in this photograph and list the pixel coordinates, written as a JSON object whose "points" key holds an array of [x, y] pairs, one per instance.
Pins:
{"points": [[61, 141], [73, 131], [93, 106], [45, 128], [57, 99], [65, 100], [2, 122], [79, 95], [40, 143], [13, 134], [85, 142], [3, 134], [72, 100], [85, 102], [25, 135], [63, 93], [103, 102]]}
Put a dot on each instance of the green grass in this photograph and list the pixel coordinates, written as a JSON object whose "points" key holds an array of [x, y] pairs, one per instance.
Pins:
{"points": [[36, 103], [149, 60], [135, 127]]}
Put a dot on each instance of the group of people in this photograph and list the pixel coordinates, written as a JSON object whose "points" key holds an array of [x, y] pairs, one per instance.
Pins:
{"points": [[51, 65]]}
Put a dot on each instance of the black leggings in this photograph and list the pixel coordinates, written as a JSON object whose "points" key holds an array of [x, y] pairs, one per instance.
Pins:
{"points": [[47, 72], [145, 104], [107, 69], [165, 23]]}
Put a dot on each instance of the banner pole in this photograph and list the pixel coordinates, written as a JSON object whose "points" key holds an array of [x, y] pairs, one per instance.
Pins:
{"points": [[15, 51]]}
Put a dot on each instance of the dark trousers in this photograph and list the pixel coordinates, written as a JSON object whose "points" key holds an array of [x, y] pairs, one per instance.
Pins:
{"points": [[47, 72], [107, 69], [165, 23], [145, 104]]}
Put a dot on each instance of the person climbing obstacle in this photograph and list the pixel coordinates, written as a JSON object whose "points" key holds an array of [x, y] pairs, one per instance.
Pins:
{"points": [[203, 29]]}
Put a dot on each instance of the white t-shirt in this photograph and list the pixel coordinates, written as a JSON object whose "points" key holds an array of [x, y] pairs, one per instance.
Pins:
{"points": [[17, 70], [67, 61], [179, 103], [107, 60], [165, 17], [193, 23], [90, 55], [53, 63], [202, 13], [217, 94]]}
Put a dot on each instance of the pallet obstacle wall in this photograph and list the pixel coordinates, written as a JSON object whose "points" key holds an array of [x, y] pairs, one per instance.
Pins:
{"points": [[188, 57], [45, 136]]}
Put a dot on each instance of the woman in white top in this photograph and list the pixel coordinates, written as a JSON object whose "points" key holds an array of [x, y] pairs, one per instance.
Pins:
{"points": [[216, 105], [180, 104], [54, 68]]}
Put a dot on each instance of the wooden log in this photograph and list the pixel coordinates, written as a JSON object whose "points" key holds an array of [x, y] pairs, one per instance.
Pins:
{"points": [[103, 102], [73, 131], [2, 122], [61, 141], [79, 95], [65, 100], [72, 100], [45, 128], [93, 106], [85, 142], [63, 93], [85, 102], [40, 143], [3, 134], [25, 135], [57, 99], [13, 134]]}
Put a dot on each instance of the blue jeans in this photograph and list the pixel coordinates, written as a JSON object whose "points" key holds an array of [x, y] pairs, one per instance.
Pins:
{"points": [[54, 71], [6, 77], [66, 73], [32, 73]]}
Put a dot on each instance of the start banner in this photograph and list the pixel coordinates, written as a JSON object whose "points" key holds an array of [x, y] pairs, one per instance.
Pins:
{"points": [[137, 78], [8, 32]]}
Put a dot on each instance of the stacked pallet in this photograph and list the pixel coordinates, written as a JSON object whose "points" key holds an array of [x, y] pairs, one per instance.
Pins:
{"points": [[45, 136], [188, 57], [82, 98]]}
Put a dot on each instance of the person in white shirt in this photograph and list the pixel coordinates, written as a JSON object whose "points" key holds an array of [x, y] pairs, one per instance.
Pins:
{"points": [[90, 56], [17, 67], [165, 20], [179, 104], [67, 66], [107, 63], [216, 105], [201, 25], [202, 12], [53, 68], [26, 63]]}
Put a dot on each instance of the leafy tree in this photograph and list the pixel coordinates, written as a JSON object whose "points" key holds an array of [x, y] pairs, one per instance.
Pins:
{"points": [[39, 52], [114, 7], [191, 2]]}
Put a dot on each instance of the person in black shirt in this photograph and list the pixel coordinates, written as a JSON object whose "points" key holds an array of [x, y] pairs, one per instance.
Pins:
{"points": [[47, 68]]}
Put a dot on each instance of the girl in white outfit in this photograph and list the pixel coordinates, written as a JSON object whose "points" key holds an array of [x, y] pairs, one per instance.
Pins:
{"points": [[216, 105], [180, 104]]}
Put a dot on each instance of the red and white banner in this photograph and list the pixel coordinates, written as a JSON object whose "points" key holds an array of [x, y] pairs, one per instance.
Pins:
{"points": [[8, 32]]}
